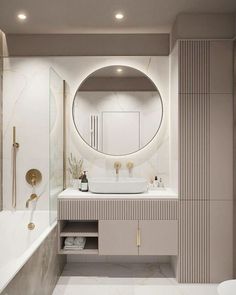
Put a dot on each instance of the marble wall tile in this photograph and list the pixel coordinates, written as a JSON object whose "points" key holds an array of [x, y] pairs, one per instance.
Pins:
{"points": [[41, 272], [153, 159], [26, 105]]}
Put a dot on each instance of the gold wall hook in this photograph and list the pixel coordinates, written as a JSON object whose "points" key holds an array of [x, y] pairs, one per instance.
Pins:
{"points": [[33, 177]]}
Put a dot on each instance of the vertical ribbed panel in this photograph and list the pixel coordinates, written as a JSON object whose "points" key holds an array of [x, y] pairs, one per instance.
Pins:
{"points": [[194, 146], [109, 209], [194, 207], [194, 242], [194, 62]]}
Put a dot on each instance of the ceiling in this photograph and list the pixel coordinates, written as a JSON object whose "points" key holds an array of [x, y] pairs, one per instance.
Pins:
{"points": [[111, 71], [97, 16]]}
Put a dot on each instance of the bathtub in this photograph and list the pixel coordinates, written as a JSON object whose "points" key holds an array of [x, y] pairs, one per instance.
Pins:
{"points": [[227, 288], [17, 242]]}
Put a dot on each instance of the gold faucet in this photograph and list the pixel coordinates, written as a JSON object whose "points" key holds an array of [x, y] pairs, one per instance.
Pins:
{"points": [[130, 166], [117, 166], [31, 198]]}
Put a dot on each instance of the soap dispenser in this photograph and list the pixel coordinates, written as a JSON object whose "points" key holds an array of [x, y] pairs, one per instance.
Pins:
{"points": [[161, 183], [155, 183], [84, 183]]}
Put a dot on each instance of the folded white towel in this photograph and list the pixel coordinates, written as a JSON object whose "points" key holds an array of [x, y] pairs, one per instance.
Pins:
{"points": [[74, 247], [80, 241], [69, 241]]}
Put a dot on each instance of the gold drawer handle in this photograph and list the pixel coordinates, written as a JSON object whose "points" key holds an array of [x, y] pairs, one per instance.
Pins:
{"points": [[138, 238]]}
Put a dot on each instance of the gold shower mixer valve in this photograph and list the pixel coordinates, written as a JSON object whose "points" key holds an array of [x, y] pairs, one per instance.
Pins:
{"points": [[33, 176]]}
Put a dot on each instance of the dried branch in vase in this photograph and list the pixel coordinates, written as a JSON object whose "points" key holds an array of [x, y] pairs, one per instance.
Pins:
{"points": [[75, 167]]}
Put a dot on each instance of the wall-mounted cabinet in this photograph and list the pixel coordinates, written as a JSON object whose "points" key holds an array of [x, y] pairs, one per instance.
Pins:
{"points": [[119, 227], [138, 237]]}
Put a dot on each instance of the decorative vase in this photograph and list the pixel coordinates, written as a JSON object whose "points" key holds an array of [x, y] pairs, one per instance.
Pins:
{"points": [[76, 183]]}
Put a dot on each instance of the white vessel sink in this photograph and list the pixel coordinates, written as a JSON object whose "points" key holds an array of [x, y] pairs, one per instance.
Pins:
{"points": [[118, 186]]}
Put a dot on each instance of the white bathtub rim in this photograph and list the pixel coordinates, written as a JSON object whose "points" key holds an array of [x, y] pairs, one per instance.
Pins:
{"points": [[227, 287], [9, 272]]}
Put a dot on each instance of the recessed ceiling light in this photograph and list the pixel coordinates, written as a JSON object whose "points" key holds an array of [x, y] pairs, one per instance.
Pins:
{"points": [[119, 70], [22, 16], [119, 16]]}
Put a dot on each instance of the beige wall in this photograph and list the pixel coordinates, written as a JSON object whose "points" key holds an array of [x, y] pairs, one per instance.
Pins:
{"points": [[87, 45], [1, 73], [211, 26], [234, 223]]}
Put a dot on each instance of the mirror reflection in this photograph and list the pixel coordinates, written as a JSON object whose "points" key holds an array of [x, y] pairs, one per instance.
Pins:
{"points": [[117, 110]]}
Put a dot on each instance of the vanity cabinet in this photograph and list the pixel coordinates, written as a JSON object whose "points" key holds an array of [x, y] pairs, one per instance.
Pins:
{"points": [[138, 237], [119, 226]]}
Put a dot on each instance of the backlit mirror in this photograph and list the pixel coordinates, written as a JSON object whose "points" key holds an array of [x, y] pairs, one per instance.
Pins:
{"points": [[117, 110]]}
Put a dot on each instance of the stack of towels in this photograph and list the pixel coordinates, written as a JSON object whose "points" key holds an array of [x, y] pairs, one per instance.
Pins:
{"points": [[72, 243]]}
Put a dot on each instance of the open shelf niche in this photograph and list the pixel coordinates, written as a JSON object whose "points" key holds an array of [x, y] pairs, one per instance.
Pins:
{"points": [[81, 228]]}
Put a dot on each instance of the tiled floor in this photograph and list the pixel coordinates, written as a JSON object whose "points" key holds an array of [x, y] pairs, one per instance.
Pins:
{"points": [[125, 279]]}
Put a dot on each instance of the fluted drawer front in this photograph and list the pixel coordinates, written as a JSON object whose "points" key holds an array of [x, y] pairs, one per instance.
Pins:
{"points": [[72, 209]]}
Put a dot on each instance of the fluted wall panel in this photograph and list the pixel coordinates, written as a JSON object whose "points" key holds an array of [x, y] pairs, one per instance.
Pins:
{"points": [[194, 242], [194, 207], [194, 58], [194, 146], [73, 209]]}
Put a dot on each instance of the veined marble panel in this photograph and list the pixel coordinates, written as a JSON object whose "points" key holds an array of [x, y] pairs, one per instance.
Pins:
{"points": [[26, 106], [152, 160], [40, 273]]}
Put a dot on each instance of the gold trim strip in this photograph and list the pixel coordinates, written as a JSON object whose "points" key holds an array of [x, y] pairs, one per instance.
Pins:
{"points": [[138, 238], [15, 146], [64, 134]]}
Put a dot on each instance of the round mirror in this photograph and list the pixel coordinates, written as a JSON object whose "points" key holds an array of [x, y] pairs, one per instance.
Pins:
{"points": [[117, 110]]}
